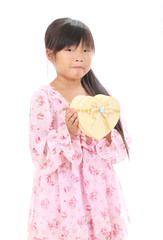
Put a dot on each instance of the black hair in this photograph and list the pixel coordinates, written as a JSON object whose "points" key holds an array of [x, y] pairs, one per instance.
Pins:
{"points": [[65, 32]]}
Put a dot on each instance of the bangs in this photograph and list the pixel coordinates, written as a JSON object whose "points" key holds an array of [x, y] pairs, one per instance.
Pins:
{"points": [[72, 33]]}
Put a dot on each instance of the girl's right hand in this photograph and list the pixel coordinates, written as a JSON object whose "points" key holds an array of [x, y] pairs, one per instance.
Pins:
{"points": [[71, 121]]}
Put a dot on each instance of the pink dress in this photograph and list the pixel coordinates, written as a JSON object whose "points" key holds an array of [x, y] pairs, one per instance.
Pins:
{"points": [[76, 193]]}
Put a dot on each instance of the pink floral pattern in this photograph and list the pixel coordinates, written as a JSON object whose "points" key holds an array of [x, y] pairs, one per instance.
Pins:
{"points": [[76, 192]]}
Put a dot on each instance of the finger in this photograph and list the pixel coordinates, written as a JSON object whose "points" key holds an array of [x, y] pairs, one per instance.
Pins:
{"points": [[76, 122], [70, 115], [73, 118], [71, 110]]}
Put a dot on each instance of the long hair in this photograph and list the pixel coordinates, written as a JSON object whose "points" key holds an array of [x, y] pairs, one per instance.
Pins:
{"points": [[65, 32]]}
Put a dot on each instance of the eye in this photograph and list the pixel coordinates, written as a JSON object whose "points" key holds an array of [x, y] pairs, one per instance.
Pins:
{"points": [[87, 50], [69, 49]]}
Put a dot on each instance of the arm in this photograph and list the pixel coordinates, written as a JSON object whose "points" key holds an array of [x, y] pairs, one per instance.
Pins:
{"points": [[112, 147], [115, 150], [49, 146]]}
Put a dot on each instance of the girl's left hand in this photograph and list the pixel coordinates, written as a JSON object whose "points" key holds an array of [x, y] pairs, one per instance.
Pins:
{"points": [[108, 137]]}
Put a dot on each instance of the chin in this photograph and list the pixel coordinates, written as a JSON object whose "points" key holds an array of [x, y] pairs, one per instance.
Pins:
{"points": [[77, 77]]}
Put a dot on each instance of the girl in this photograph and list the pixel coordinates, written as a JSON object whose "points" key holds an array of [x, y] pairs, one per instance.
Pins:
{"points": [[76, 193]]}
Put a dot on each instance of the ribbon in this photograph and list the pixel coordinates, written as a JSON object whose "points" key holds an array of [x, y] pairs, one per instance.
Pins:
{"points": [[95, 110]]}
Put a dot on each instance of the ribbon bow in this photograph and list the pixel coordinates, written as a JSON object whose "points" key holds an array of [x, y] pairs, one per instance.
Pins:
{"points": [[96, 111]]}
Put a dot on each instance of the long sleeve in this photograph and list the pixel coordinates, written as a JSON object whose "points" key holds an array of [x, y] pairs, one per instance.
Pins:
{"points": [[115, 151], [49, 146]]}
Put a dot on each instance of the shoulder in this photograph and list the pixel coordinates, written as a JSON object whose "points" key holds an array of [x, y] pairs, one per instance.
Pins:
{"points": [[47, 96], [45, 91]]}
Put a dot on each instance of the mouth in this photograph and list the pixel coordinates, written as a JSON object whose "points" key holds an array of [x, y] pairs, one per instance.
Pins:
{"points": [[78, 67]]}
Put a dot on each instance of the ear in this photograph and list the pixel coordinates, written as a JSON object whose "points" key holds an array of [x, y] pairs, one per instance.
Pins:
{"points": [[50, 55]]}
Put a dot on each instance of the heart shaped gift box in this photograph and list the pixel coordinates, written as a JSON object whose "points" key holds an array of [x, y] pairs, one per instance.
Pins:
{"points": [[97, 115]]}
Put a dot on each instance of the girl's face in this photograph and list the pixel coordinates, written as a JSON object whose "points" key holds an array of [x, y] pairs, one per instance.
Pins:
{"points": [[73, 62]]}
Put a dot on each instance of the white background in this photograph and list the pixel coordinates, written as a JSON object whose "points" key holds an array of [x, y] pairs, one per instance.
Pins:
{"points": [[128, 60]]}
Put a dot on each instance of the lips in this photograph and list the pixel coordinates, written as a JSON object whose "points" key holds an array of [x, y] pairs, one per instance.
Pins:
{"points": [[78, 67]]}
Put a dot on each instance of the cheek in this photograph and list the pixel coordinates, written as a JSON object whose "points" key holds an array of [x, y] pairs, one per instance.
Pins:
{"points": [[61, 65], [90, 59], [89, 62]]}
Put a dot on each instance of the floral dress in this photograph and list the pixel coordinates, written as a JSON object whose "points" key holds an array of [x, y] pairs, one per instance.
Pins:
{"points": [[76, 193]]}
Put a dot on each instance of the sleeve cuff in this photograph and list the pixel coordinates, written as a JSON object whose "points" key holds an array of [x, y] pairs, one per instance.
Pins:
{"points": [[69, 147], [111, 151]]}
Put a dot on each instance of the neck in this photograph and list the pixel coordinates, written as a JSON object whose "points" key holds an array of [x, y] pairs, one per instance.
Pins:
{"points": [[67, 83]]}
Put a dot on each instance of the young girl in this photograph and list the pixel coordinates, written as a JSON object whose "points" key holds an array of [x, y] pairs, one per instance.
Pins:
{"points": [[76, 193]]}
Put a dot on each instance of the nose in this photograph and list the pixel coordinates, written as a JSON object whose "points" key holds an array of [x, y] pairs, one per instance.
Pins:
{"points": [[78, 59]]}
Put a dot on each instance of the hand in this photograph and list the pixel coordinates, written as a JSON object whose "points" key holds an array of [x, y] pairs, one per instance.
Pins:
{"points": [[71, 121], [108, 137]]}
